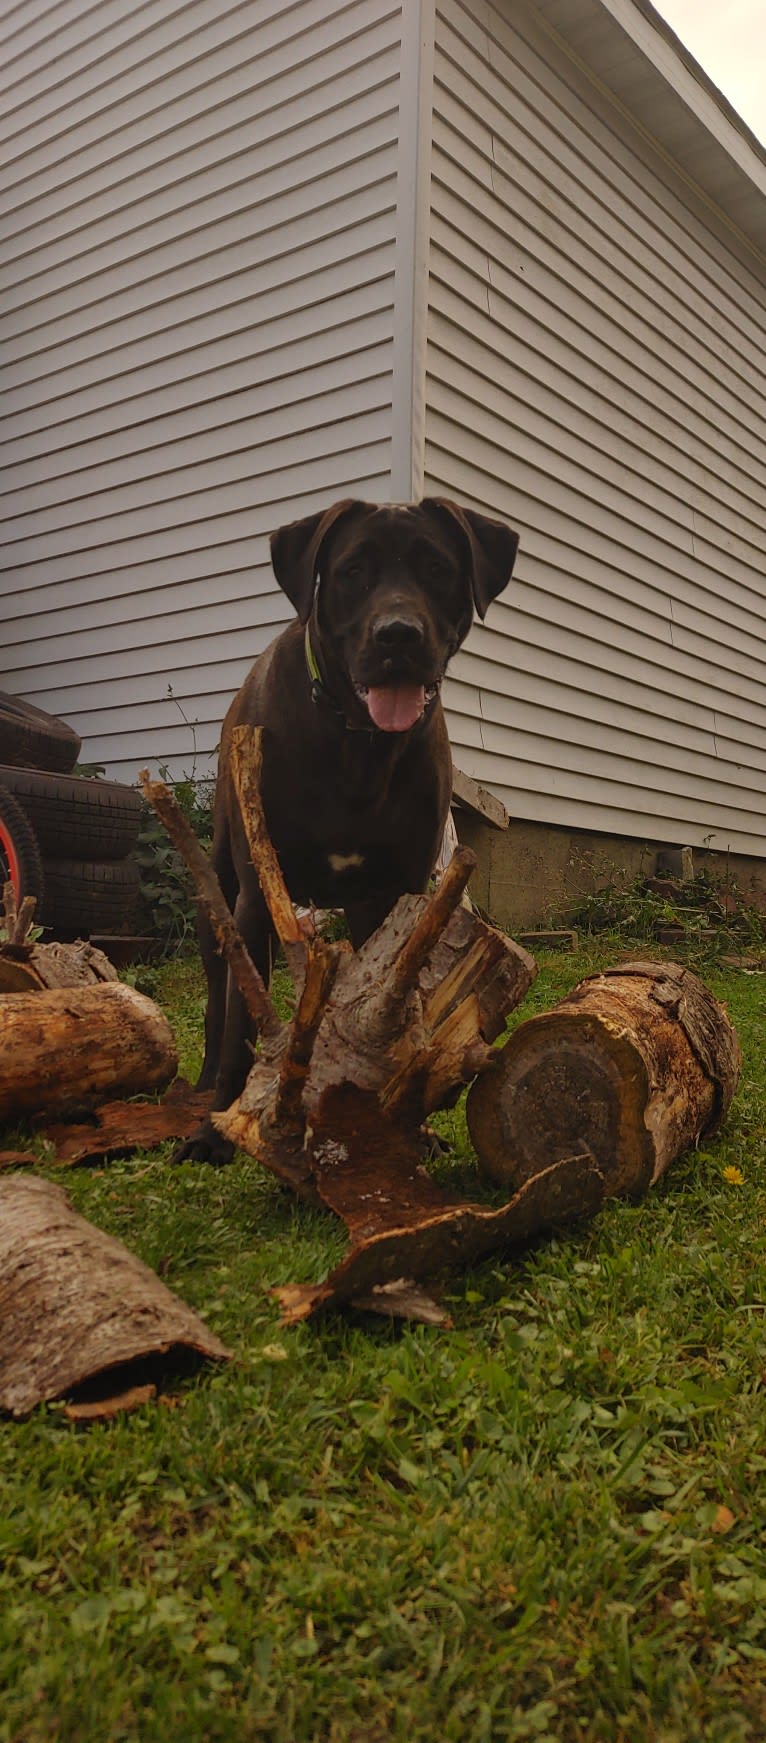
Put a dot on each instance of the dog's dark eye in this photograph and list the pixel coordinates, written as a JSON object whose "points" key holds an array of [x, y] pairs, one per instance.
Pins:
{"points": [[352, 572]]}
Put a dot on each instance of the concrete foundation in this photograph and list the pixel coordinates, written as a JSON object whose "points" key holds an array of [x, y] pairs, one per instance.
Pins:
{"points": [[532, 874]]}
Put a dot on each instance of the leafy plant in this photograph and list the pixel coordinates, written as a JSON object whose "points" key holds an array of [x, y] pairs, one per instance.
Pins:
{"points": [[167, 892], [89, 771], [709, 910]]}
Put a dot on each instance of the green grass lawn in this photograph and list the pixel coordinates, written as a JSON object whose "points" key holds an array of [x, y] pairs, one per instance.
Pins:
{"points": [[548, 1523]]}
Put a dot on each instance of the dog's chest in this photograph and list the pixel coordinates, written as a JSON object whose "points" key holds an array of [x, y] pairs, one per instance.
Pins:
{"points": [[334, 850], [330, 875]]}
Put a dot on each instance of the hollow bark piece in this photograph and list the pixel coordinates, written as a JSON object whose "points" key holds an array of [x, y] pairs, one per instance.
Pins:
{"points": [[74, 1303], [635, 1065], [74, 1046], [30, 967]]}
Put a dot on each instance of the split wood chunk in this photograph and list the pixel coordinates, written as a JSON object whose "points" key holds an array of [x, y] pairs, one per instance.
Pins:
{"points": [[26, 965], [75, 1304], [213, 903], [335, 1101], [635, 1065], [410, 1017], [73, 1046], [30, 967]]}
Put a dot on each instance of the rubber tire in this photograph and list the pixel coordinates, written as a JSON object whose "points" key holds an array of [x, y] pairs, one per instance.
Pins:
{"points": [[74, 818], [19, 852], [30, 738], [83, 897]]}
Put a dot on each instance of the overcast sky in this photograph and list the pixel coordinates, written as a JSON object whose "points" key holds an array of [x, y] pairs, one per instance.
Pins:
{"points": [[728, 38]]}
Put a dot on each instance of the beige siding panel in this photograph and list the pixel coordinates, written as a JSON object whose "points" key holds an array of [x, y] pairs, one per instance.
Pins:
{"points": [[197, 314], [242, 326], [118, 437], [213, 459], [596, 375], [142, 141]]}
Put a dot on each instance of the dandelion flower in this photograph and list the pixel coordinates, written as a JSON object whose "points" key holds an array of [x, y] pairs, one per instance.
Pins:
{"points": [[734, 1176]]}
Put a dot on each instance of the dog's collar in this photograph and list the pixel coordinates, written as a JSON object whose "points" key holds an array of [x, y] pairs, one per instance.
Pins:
{"points": [[311, 662], [320, 691], [321, 694]]}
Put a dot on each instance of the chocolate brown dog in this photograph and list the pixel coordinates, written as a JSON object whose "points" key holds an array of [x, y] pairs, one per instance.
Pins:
{"points": [[357, 772]]}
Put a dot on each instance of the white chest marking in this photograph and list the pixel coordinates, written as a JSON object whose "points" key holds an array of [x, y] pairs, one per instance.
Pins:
{"points": [[340, 862]]}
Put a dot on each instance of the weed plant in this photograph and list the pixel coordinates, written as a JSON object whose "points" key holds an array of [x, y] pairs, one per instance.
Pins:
{"points": [[169, 909], [713, 914]]}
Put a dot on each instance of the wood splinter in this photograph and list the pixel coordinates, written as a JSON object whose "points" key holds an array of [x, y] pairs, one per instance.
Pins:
{"points": [[211, 898]]}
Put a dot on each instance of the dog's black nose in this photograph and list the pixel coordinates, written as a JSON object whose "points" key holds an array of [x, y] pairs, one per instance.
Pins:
{"points": [[397, 632]]}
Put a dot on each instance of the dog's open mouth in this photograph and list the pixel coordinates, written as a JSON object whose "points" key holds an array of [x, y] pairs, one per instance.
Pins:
{"points": [[396, 707]]}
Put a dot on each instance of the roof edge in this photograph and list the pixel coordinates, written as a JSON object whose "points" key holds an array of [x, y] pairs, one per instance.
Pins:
{"points": [[673, 100]]}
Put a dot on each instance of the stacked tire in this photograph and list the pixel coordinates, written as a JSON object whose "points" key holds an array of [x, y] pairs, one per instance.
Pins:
{"points": [[64, 839]]}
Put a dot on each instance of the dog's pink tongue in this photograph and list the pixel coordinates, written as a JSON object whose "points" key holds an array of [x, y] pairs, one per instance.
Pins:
{"points": [[395, 707]]}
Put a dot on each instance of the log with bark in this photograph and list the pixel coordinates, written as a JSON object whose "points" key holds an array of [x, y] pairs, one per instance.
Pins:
{"points": [[73, 1046], [635, 1065], [75, 1305]]}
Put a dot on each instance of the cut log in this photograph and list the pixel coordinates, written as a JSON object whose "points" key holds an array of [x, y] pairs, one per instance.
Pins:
{"points": [[634, 1066], [74, 1303], [74, 1046]]}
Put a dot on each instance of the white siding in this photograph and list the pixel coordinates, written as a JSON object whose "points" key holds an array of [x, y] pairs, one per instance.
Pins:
{"points": [[197, 324], [596, 374]]}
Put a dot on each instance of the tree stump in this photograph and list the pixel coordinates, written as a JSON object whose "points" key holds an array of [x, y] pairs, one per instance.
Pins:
{"points": [[73, 1046], [336, 1097], [634, 1066]]}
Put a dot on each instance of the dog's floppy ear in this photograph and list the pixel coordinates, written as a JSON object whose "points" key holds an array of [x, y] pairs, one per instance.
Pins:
{"points": [[492, 548], [296, 552]]}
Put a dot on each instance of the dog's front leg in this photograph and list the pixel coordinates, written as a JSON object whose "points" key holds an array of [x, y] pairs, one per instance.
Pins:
{"points": [[364, 918]]}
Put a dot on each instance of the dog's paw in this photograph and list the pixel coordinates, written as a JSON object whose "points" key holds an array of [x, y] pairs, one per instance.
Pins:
{"points": [[206, 1145]]}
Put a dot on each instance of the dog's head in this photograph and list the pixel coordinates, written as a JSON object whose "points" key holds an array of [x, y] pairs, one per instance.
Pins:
{"points": [[391, 592]]}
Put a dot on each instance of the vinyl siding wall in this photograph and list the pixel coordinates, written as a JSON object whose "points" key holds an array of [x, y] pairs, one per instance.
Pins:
{"points": [[197, 321], [596, 374]]}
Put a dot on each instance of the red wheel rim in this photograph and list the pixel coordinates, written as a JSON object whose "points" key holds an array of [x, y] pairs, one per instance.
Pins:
{"points": [[9, 854]]}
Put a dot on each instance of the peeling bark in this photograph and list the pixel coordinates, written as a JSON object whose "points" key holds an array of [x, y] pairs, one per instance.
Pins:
{"points": [[117, 1126]]}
